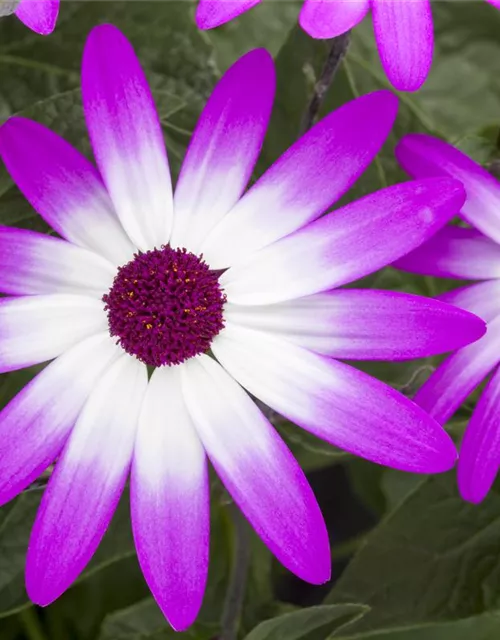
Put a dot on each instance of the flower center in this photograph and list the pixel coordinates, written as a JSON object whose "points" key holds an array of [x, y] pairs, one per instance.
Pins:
{"points": [[165, 306]]}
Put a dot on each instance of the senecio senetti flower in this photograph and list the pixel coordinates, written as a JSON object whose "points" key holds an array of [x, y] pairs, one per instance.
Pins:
{"points": [[141, 278], [403, 29], [39, 15], [469, 253]]}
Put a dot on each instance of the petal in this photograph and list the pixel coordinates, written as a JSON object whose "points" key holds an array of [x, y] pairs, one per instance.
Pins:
{"points": [[405, 40], [479, 459], [34, 329], [39, 15], [457, 377], [335, 402], [495, 3], [331, 18], [33, 263], [482, 298], [364, 325], [455, 252], [126, 136], [213, 13], [346, 244], [87, 482], [423, 156], [224, 148], [63, 187], [35, 424], [170, 501], [308, 178], [257, 469]]}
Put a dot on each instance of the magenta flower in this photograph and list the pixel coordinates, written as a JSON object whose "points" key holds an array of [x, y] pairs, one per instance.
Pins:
{"points": [[140, 277], [39, 15], [470, 254], [403, 29]]}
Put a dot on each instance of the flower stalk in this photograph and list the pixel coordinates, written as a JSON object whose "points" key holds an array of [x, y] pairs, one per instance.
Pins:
{"points": [[235, 595], [336, 54]]}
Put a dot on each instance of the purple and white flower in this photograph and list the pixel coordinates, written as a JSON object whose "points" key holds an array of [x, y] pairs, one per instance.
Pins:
{"points": [[143, 277], [466, 253], [403, 29], [39, 15]]}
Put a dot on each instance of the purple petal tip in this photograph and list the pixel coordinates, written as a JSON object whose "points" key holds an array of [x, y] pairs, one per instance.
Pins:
{"points": [[446, 456], [322, 573], [38, 15], [451, 189], [470, 495], [38, 592], [386, 100], [256, 61]]}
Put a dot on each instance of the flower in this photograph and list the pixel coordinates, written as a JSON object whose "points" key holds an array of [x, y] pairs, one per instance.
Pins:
{"points": [[39, 15], [403, 29], [469, 253], [143, 278]]}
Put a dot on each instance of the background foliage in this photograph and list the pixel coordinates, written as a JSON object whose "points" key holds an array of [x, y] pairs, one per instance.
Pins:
{"points": [[411, 561]]}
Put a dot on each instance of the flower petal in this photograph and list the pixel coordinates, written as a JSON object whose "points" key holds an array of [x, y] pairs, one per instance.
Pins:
{"points": [[38, 15], [405, 40], [257, 469], [423, 156], [335, 402], [213, 13], [482, 298], [455, 379], [35, 424], [87, 483], [495, 3], [455, 252], [34, 329], [170, 501], [63, 187], [224, 148], [308, 178], [364, 325], [126, 136], [479, 459], [346, 244], [34, 263], [331, 18]]}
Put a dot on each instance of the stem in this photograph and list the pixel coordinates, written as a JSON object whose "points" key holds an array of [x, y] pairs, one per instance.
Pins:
{"points": [[410, 388], [237, 582], [338, 49], [31, 624]]}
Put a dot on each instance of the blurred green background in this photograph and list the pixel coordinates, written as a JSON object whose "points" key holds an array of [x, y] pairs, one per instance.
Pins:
{"points": [[411, 561]]}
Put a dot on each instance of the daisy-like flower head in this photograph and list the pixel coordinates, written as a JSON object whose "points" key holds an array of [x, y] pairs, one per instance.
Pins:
{"points": [[141, 278], [39, 15], [468, 253], [403, 29]]}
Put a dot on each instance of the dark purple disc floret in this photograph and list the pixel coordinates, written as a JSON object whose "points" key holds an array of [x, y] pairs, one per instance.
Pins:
{"points": [[165, 306]]}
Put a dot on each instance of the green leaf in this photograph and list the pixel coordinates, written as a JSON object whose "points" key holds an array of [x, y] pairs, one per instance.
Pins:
{"points": [[174, 54], [298, 625], [482, 627], [267, 25], [434, 558]]}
